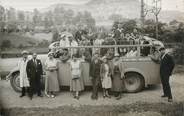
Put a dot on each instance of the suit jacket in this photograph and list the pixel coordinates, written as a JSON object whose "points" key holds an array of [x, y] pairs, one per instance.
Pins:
{"points": [[166, 65], [34, 71], [95, 69]]}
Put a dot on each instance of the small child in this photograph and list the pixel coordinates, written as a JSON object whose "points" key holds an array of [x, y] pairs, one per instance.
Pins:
{"points": [[105, 77], [76, 85]]}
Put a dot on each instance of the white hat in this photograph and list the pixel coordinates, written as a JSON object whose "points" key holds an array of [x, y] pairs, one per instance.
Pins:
{"points": [[24, 52], [50, 53]]}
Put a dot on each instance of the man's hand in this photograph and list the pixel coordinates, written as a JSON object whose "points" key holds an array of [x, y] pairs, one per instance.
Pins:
{"points": [[122, 76]]}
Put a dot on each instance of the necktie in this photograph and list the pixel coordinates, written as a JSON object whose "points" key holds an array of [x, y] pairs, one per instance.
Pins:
{"points": [[35, 62]]}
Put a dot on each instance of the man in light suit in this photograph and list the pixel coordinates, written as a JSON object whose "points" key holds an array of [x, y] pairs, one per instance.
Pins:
{"points": [[34, 73]]}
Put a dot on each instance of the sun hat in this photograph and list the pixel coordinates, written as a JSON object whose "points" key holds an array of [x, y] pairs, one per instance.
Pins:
{"points": [[24, 52]]}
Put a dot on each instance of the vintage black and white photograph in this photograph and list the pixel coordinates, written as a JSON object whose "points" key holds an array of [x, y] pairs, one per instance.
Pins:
{"points": [[91, 57]]}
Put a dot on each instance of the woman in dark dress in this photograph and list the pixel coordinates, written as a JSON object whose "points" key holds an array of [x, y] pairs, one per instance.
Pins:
{"points": [[117, 77]]}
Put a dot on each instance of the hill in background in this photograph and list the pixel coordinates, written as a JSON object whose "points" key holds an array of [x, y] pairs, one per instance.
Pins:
{"points": [[101, 10]]}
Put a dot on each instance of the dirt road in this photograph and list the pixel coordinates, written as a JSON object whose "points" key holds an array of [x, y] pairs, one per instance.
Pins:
{"points": [[146, 103]]}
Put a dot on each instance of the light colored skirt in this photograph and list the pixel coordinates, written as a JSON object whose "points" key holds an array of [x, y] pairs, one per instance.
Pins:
{"points": [[51, 84], [64, 73], [85, 73], [106, 82], [76, 85]]}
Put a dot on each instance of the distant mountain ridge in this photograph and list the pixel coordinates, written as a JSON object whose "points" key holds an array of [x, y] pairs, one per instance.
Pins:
{"points": [[102, 9]]}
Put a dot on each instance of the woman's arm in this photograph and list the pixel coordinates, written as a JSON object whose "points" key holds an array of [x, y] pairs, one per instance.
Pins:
{"points": [[122, 69]]}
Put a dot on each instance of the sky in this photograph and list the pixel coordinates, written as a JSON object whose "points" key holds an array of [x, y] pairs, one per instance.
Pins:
{"points": [[29, 5]]}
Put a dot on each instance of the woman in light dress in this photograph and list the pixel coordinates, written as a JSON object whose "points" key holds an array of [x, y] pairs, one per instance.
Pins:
{"points": [[105, 77], [51, 84], [76, 85]]}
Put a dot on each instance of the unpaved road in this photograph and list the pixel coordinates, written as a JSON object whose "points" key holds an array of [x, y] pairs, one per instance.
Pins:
{"points": [[146, 103]]}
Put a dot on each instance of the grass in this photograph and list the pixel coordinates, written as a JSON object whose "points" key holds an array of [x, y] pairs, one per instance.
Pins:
{"points": [[28, 42], [17, 39]]}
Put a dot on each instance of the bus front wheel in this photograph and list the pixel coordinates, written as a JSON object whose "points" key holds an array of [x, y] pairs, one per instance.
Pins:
{"points": [[15, 81], [133, 82]]}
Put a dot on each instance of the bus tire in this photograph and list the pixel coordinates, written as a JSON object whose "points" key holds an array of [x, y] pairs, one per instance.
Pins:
{"points": [[134, 82], [15, 81]]}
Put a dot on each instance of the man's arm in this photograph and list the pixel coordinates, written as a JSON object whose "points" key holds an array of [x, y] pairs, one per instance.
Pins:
{"points": [[171, 64], [28, 69], [155, 58], [41, 68]]}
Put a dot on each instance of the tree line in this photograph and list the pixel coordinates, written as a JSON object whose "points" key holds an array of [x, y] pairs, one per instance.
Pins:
{"points": [[12, 20]]}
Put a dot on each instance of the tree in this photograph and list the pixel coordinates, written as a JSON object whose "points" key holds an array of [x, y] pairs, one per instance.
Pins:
{"points": [[55, 36], [156, 11], [88, 19], [48, 19], [6, 44], [11, 14], [68, 15], [115, 17], [2, 11], [21, 16], [36, 17], [129, 26], [59, 15]]}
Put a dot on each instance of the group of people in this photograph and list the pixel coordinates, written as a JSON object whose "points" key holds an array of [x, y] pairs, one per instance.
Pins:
{"points": [[30, 75], [103, 66], [103, 72], [89, 38]]}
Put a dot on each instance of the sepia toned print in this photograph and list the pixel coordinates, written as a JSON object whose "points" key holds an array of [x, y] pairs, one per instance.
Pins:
{"points": [[91, 57]]}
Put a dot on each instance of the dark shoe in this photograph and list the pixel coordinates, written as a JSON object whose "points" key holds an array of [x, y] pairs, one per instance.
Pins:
{"points": [[21, 95], [118, 98], [77, 97], [96, 97], [40, 95], [170, 100], [93, 98], [108, 96], [163, 96], [30, 97]]}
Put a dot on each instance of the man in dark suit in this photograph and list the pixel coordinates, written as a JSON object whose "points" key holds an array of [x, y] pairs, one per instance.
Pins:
{"points": [[34, 73], [166, 67], [95, 74]]}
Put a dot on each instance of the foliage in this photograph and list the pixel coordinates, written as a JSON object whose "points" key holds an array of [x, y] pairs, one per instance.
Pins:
{"points": [[5, 44]]}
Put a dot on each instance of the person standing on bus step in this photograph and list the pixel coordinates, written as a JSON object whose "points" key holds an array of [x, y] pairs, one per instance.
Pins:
{"points": [[51, 82], [34, 73], [95, 74], [24, 82], [105, 75], [76, 84], [166, 67]]}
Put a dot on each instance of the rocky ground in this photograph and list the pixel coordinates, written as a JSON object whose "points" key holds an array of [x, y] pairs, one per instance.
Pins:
{"points": [[145, 103]]}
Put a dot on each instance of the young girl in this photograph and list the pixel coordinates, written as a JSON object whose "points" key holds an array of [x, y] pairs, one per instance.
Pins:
{"points": [[76, 85], [105, 77]]}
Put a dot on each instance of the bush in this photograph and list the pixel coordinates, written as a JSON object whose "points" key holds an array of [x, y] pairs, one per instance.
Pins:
{"points": [[20, 46], [6, 44]]}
